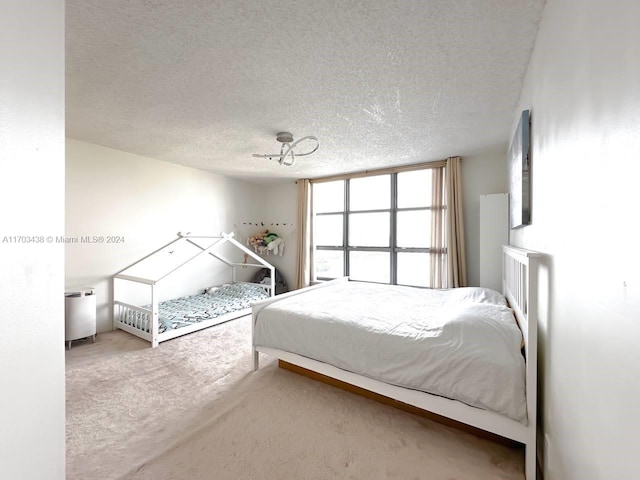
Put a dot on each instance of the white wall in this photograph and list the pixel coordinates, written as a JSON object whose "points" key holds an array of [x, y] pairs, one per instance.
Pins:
{"points": [[145, 201], [481, 174], [280, 205], [582, 88], [32, 439]]}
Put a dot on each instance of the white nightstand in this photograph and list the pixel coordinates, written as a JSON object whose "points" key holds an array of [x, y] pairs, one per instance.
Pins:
{"points": [[80, 314]]}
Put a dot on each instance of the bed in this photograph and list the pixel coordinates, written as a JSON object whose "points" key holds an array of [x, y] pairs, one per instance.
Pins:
{"points": [[465, 354], [157, 321]]}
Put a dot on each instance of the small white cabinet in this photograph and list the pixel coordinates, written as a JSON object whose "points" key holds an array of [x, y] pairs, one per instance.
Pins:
{"points": [[494, 232], [80, 315]]}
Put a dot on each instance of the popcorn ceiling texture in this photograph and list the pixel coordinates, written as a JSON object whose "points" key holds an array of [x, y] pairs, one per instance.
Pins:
{"points": [[206, 83]]}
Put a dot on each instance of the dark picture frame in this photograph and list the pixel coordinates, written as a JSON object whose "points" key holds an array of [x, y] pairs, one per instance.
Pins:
{"points": [[520, 174]]}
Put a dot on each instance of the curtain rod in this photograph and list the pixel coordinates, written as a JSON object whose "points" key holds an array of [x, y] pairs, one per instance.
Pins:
{"points": [[381, 171]]}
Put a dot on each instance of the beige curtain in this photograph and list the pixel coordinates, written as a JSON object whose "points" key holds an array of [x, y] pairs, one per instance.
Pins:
{"points": [[304, 258], [456, 275], [437, 247]]}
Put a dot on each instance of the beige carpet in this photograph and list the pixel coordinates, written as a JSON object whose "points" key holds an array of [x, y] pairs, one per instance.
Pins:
{"points": [[191, 409]]}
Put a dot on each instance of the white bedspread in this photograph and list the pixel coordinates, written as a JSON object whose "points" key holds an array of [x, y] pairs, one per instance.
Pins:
{"points": [[462, 344]]}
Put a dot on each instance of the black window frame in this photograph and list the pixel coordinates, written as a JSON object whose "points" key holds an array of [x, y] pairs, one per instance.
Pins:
{"points": [[393, 249]]}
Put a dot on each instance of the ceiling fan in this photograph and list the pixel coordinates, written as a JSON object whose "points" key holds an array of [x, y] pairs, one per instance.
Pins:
{"points": [[287, 155]]}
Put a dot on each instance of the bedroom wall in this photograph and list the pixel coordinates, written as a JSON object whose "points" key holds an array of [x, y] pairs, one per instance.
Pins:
{"points": [[145, 202], [279, 204], [481, 174], [32, 408], [582, 89]]}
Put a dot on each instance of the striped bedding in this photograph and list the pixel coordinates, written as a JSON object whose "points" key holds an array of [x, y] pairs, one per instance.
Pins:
{"points": [[184, 311]]}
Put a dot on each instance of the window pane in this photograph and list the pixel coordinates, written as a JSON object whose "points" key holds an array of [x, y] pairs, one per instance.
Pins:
{"points": [[370, 193], [369, 229], [369, 266], [327, 230], [413, 269], [414, 229], [414, 188], [329, 263], [328, 196]]}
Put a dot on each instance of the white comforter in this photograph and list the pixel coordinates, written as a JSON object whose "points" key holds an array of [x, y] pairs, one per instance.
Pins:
{"points": [[462, 344]]}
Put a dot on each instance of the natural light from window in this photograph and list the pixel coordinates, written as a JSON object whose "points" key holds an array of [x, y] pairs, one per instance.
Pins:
{"points": [[375, 228]]}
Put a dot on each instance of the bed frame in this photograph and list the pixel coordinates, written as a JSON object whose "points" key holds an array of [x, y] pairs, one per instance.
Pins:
{"points": [[519, 282], [150, 316]]}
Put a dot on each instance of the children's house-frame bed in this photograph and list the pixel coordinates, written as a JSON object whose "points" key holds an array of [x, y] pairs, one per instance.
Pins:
{"points": [[468, 354], [137, 290]]}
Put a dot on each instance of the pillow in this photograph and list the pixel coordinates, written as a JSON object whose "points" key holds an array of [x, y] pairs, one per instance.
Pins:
{"points": [[475, 295]]}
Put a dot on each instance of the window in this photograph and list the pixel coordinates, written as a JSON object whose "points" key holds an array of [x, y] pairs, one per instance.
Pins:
{"points": [[384, 228]]}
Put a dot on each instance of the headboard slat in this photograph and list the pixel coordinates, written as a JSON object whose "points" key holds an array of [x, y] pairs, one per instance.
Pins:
{"points": [[519, 285]]}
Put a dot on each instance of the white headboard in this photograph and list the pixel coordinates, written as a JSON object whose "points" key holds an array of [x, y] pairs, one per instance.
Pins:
{"points": [[520, 286]]}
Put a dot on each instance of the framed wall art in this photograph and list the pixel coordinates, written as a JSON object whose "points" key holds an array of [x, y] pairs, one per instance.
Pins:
{"points": [[520, 174]]}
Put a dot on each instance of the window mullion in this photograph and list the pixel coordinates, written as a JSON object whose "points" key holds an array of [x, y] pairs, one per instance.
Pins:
{"points": [[345, 229], [392, 241]]}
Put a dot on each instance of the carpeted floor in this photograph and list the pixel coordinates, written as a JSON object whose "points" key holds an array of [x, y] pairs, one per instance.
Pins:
{"points": [[192, 409]]}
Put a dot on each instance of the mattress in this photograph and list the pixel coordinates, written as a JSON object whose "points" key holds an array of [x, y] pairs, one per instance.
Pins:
{"points": [[463, 343], [216, 301]]}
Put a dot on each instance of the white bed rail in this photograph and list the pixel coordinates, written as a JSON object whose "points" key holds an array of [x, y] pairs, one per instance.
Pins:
{"points": [[133, 319], [520, 287]]}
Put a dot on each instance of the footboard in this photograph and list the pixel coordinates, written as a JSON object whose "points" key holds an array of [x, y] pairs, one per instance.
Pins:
{"points": [[133, 319]]}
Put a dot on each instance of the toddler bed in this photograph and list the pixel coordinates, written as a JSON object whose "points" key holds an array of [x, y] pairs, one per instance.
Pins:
{"points": [[456, 353], [157, 321]]}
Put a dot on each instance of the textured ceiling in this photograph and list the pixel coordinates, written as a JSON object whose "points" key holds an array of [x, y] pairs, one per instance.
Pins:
{"points": [[206, 83]]}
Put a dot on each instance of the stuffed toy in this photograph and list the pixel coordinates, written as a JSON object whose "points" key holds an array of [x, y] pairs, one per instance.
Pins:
{"points": [[276, 246], [257, 241], [262, 241], [270, 237]]}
